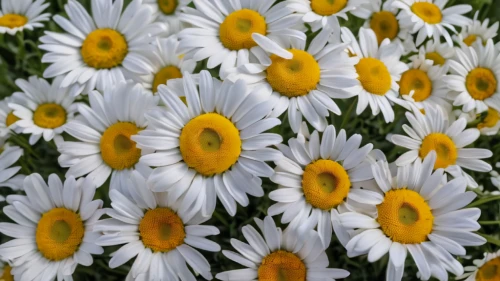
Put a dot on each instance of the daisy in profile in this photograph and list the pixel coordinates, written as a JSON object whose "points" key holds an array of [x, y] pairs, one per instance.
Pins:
{"points": [[439, 53], [17, 15], [487, 268], [477, 30], [430, 18], [212, 146], [378, 71], [432, 132], [52, 229], [104, 146], [168, 11], [158, 233], [415, 212], [107, 47], [279, 255], [223, 31], [9, 176], [45, 109]]}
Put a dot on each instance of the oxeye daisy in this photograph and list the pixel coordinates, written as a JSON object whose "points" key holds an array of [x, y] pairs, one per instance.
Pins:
{"points": [[488, 122], [168, 11], [477, 30], [104, 132], [430, 18], [17, 15], [484, 269], [378, 71], [279, 255], [107, 47], [432, 132], [212, 146], [439, 53], [223, 31], [53, 229], [7, 118], [418, 212], [160, 234]]}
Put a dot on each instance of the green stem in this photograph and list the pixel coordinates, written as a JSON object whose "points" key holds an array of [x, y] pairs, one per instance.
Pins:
{"points": [[490, 239], [484, 201], [489, 222], [348, 113]]}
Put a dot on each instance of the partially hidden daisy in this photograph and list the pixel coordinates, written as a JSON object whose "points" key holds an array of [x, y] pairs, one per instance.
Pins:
{"points": [[17, 15], [279, 255], [168, 11], [213, 146], [7, 118], [103, 132], [487, 268], [439, 53], [488, 122], [157, 232], [107, 47], [52, 229], [477, 30], [415, 211], [9, 175], [5, 269]]}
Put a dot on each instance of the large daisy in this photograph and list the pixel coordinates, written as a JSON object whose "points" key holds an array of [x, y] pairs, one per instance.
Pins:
{"points": [[168, 11], [9, 175], [439, 53], [104, 132], [487, 268], [107, 47], [279, 255], [212, 146], [17, 15], [158, 232], [477, 30], [416, 212], [53, 229]]}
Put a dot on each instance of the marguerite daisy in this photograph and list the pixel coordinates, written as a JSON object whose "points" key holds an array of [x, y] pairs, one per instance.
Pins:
{"points": [[439, 53], [7, 118], [279, 255], [488, 122], [158, 232], [17, 15], [104, 132], [487, 268], [212, 146], [53, 229], [168, 11], [9, 156], [477, 30], [415, 212]]}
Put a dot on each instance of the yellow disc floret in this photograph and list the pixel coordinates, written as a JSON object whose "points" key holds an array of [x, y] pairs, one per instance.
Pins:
{"points": [[49, 116], [168, 7], [481, 83], [104, 48], [237, 29], [385, 25], [418, 81], [161, 230], [282, 266], [445, 148], [437, 58], [11, 119], [470, 39], [490, 271], [374, 76], [117, 149], [328, 7], [6, 275], [428, 12], [13, 20], [491, 119], [165, 74]]}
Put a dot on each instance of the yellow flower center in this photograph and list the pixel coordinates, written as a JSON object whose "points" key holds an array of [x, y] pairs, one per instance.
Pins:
{"points": [[104, 48], [325, 184], [328, 7], [117, 149], [49, 116], [210, 144], [481, 83], [13, 20], [418, 81], [445, 148], [436, 58], [470, 39], [59, 234], [165, 74], [237, 29], [405, 217], [491, 119], [374, 76], [282, 266], [385, 25], [161, 230], [7, 276], [428, 12], [11, 119], [490, 271], [168, 6]]}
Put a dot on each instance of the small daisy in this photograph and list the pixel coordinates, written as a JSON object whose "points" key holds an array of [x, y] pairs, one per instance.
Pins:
{"points": [[279, 255], [17, 15], [7, 118], [104, 132], [477, 30], [212, 146], [488, 122], [439, 53], [487, 268], [5, 269], [9, 156], [430, 18], [168, 11], [157, 232], [223, 31], [418, 212], [107, 47], [53, 228], [379, 71], [432, 132]]}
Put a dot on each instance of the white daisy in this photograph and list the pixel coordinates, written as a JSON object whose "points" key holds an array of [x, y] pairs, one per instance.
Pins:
{"points": [[212, 146], [107, 47], [53, 228], [488, 122], [7, 118], [104, 132], [477, 30], [17, 15], [9, 156], [418, 212], [430, 18], [487, 268], [159, 233], [223, 31], [168, 11], [279, 255], [432, 132], [439, 53]]}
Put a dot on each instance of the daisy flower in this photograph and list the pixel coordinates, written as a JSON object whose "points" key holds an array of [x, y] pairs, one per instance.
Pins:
{"points": [[7, 118], [418, 212], [53, 228], [107, 47], [9, 156], [223, 31], [17, 15], [168, 11], [487, 122], [279, 255], [430, 18], [439, 53], [160, 234], [478, 30], [487, 268], [45, 109], [212, 146], [104, 132], [379, 71], [432, 132]]}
